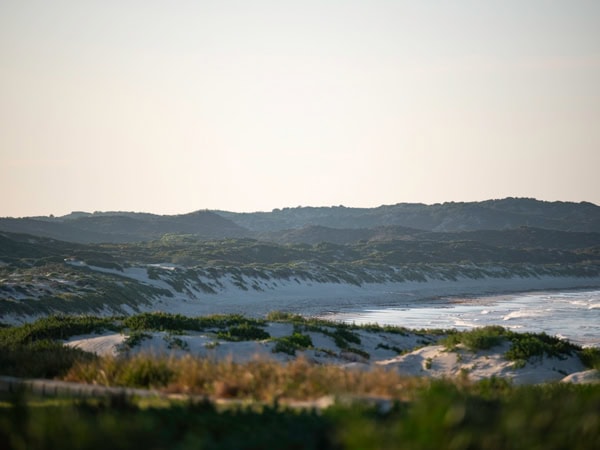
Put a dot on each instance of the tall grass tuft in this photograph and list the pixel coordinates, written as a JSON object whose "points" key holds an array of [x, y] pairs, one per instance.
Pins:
{"points": [[259, 379]]}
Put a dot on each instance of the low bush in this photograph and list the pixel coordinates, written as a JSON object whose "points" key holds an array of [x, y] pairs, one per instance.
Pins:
{"points": [[281, 316], [528, 345], [159, 321], [262, 379], [243, 332], [40, 359], [358, 351], [376, 328], [176, 343], [477, 339], [342, 336], [146, 373], [590, 357], [392, 348], [55, 327], [134, 339], [491, 414], [523, 345], [289, 344]]}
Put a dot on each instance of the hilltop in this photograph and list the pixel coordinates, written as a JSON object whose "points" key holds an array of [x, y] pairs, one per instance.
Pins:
{"points": [[305, 260], [337, 224], [183, 273]]}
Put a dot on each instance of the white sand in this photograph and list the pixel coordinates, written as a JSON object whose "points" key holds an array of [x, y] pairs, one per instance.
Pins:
{"points": [[314, 298], [311, 298], [432, 360], [105, 344], [438, 362], [587, 376]]}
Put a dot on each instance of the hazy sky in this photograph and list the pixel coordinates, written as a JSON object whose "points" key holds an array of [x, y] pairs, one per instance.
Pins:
{"points": [[175, 106]]}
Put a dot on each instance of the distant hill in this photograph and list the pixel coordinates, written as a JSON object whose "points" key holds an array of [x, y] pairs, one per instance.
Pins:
{"points": [[445, 217], [124, 227], [40, 275], [27, 251], [314, 234], [338, 224], [522, 237]]}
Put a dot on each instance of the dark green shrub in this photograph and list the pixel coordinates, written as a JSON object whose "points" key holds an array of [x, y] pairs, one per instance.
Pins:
{"points": [[392, 348], [590, 357], [342, 335], [527, 345], [243, 332], [40, 359], [289, 344], [135, 339], [477, 339], [55, 327], [146, 373], [281, 316], [159, 321], [176, 343], [358, 351]]}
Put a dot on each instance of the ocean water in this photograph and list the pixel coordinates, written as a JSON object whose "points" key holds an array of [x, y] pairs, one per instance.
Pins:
{"points": [[572, 315]]}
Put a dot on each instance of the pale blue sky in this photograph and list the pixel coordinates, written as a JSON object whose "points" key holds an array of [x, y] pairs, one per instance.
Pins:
{"points": [[170, 107]]}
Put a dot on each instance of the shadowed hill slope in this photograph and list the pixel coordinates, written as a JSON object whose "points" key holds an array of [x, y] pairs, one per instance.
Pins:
{"points": [[522, 237], [341, 225], [445, 217], [125, 227]]}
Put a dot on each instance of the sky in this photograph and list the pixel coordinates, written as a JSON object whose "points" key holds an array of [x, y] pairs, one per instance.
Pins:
{"points": [[175, 106]]}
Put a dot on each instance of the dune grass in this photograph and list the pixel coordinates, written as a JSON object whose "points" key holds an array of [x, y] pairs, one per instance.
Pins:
{"points": [[523, 346], [260, 379], [424, 414], [439, 414]]}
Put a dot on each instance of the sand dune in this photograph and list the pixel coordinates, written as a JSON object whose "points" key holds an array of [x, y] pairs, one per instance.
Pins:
{"points": [[412, 354]]}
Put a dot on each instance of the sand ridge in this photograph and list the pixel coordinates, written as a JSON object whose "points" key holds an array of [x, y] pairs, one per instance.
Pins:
{"points": [[412, 354]]}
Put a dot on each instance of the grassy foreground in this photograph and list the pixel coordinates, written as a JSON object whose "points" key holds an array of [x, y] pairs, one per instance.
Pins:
{"points": [[489, 415], [421, 413]]}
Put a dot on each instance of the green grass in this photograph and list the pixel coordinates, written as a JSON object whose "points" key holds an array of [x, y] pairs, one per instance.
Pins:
{"points": [[56, 327], [32, 350], [40, 359], [358, 351], [392, 348], [161, 321], [523, 346], [289, 344], [176, 343], [243, 332], [425, 414], [590, 357], [528, 345], [135, 339], [249, 262], [477, 339], [121, 424], [490, 415], [343, 334]]}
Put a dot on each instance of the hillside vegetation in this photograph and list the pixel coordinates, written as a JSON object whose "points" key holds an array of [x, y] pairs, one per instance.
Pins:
{"points": [[280, 380], [445, 217], [41, 275], [383, 222], [222, 404]]}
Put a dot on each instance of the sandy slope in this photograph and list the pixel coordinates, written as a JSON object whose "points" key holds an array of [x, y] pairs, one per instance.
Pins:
{"points": [[383, 349], [257, 295], [311, 298]]}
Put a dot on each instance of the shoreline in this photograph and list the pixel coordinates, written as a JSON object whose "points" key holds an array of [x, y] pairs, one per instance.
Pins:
{"points": [[569, 314], [321, 299], [316, 299]]}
